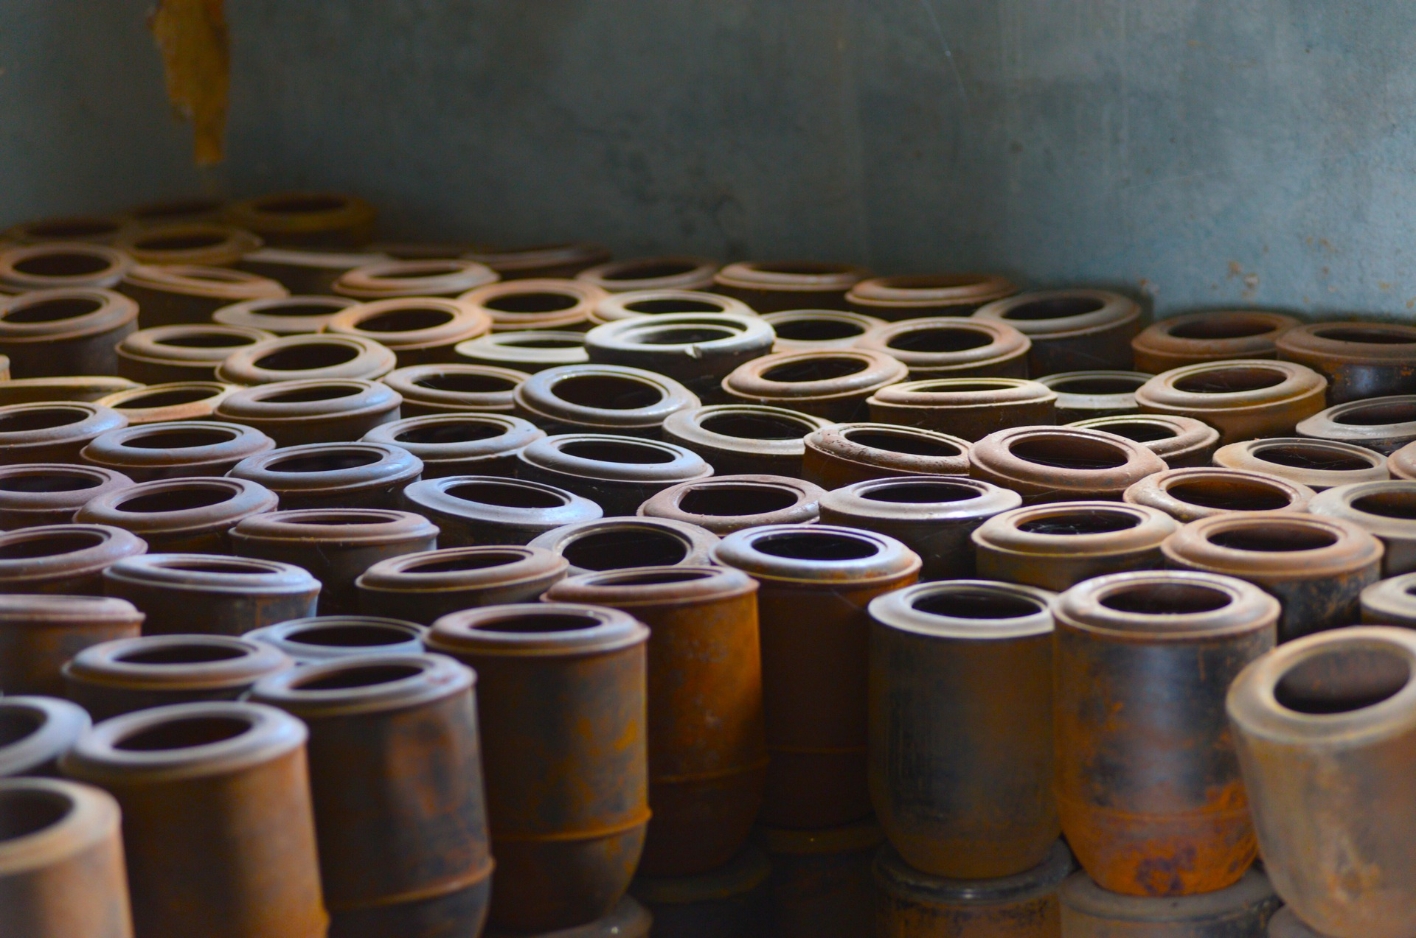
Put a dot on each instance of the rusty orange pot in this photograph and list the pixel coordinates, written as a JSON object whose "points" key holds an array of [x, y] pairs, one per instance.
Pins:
{"points": [[38, 633]]}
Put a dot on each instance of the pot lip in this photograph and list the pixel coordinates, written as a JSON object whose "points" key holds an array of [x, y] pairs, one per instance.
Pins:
{"points": [[879, 370], [424, 278], [271, 734], [252, 403], [803, 510], [1240, 455], [383, 526], [894, 877], [697, 542], [688, 425], [1157, 337], [91, 819], [217, 283], [747, 331], [851, 501], [1299, 381], [392, 574], [114, 312], [1192, 434], [1324, 425], [41, 609], [468, 631], [246, 498], [907, 291], [219, 392], [586, 297], [536, 395], [1078, 891], [118, 265], [391, 466], [102, 665], [1115, 310], [547, 454], [1082, 608], [118, 222], [1338, 502], [371, 361], [516, 434], [60, 723], [501, 347], [87, 387], [463, 323], [112, 543], [279, 636], [895, 610], [682, 585], [151, 344], [1353, 550], [1112, 398], [1395, 596], [1138, 457], [437, 677], [698, 276], [1307, 340], [1003, 532], [849, 838], [1006, 343], [234, 243], [432, 495], [939, 393], [113, 448], [615, 306], [759, 275], [405, 382], [889, 560], [40, 501], [538, 255], [96, 419], [1154, 490], [182, 572], [320, 260], [252, 313]]}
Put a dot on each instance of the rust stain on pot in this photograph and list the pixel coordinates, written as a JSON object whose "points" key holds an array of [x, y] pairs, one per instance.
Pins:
{"points": [[192, 37]]}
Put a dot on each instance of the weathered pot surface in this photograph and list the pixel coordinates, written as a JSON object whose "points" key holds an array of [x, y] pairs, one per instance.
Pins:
{"points": [[769, 286], [1384, 424], [970, 408], [300, 357], [1213, 335], [723, 504], [1062, 463], [1242, 399], [1359, 359], [1088, 911], [1386, 509], [638, 303], [426, 585], [617, 472], [943, 347], [460, 443], [675, 272], [739, 439], [802, 329], [173, 400], [392, 279], [286, 315], [597, 398], [38, 731], [315, 410], [1199, 492], [163, 354], [184, 515], [333, 475], [173, 449], [1180, 441], [58, 265], [63, 558], [52, 431], [910, 296], [1083, 394], [528, 351], [617, 543], [50, 333], [829, 383], [1071, 330], [39, 632], [535, 304], [33, 494], [454, 388], [306, 219], [836, 456], [1391, 602], [1318, 464]]}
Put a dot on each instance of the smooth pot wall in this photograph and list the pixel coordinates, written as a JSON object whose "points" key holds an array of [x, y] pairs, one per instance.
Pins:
{"points": [[1205, 153]]}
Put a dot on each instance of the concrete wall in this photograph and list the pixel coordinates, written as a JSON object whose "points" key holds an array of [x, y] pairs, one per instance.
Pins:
{"points": [[1205, 153]]}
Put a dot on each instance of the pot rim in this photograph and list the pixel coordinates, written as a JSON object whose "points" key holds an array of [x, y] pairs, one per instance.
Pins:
{"points": [[1115, 310], [400, 575], [102, 665], [60, 722], [698, 274], [371, 360], [681, 585], [1004, 531], [90, 819], [469, 631], [184, 572], [437, 677], [1352, 549], [896, 610], [889, 558], [1248, 609]]}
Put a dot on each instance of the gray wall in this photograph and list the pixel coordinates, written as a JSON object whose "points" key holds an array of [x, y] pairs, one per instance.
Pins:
{"points": [[1204, 153]]}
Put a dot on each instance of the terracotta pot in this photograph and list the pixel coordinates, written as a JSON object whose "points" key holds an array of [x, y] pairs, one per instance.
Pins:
{"points": [[1088, 911], [470, 510], [535, 304], [451, 389], [916, 905], [695, 349], [1242, 399], [617, 543], [769, 286], [333, 475], [187, 294], [33, 494], [1384, 424], [632, 304], [830, 383], [1083, 394], [171, 211], [188, 515], [707, 753], [59, 265], [628, 919], [94, 229], [173, 400], [816, 581], [460, 443], [419, 330], [1359, 359], [724, 504], [316, 410], [1071, 330], [744, 439], [1046, 464], [205, 243], [132, 674], [562, 691], [540, 260], [1323, 727], [305, 357], [1285, 924], [821, 881], [63, 860], [288, 315], [1386, 509], [83, 388], [528, 351], [305, 272], [425, 585], [1148, 786], [961, 776], [175, 449], [1057, 545], [1391, 602], [596, 398], [318, 639], [837, 456], [1318, 464], [913, 296], [334, 544], [306, 219], [39, 633], [63, 558], [50, 333], [52, 432], [182, 353], [1180, 441], [732, 901], [945, 347], [652, 273], [931, 515], [38, 731], [217, 822], [1210, 336], [968, 408], [183, 594], [618, 473], [435, 277], [800, 330], [1195, 493], [1402, 463], [401, 823]]}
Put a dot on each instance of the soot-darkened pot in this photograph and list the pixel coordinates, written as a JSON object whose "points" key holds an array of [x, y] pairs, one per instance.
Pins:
{"points": [[1044, 464], [187, 515], [427, 585], [1071, 330], [970, 408], [1359, 359], [317, 410], [470, 510], [1209, 336], [911, 296], [723, 504], [333, 475], [1195, 493], [618, 473], [837, 456], [38, 633], [617, 543], [744, 439], [51, 333], [175, 449]]}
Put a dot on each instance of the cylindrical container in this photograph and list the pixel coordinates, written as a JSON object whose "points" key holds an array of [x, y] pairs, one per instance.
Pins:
{"points": [[333, 475], [63, 558], [422, 278], [800, 330], [139, 673], [960, 775], [1057, 545], [839, 455], [564, 259], [696, 349], [601, 399], [1386, 509], [652, 273], [1180, 441], [334, 544], [454, 444], [913, 904], [471, 510], [1325, 727], [931, 515], [33, 494], [165, 354], [82, 388], [1214, 335], [183, 594], [443, 389], [732, 901], [419, 330], [561, 691], [707, 753], [303, 357], [429, 584], [306, 219], [529, 351], [208, 243], [1359, 359], [535, 304], [1242, 399], [1391, 602], [952, 347], [724, 504], [318, 639], [1084, 394], [318, 410], [396, 780], [618, 473], [61, 861], [305, 272], [1402, 463], [59, 265], [1071, 330], [173, 400], [287, 315], [38, 633], [639, 303], [616, 543], [1384, 424], [821, 881], [175, 449], [816, 581], [217, 822], [970, 408], [1318, 464], [37, 733], [744, 439], [829, 383], [911, 296], [52, 432], [50, 333], [769, 286], [1316, 566], [1148, 786], [188, 293], [1238, 911], [1195, 493], [1047, 464], [190, 516]]}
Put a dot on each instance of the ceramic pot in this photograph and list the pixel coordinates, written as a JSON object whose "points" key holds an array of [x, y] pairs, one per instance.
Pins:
{"points": [[832, 383], [435, 277], [1402, 463], [470, 510], [744, 439], [187, 515], [39, 633], [184, 594], [52, 432], [617, 543], [837, 456], [535, 304], [305, 357], [173, 400], [724, 504], [1071, 330], [696, 349], [1242, 399], [419, 330], [632, 304], [1083, 394], [912, 296], [1359, 359], [1045, 464], [316, 410], [305, 272], [1088, 911], [732, 901], [175, 449], [1384, 424], [50, 333], [317, 639], [1318, 464], [1180, 441], [540, 260], [1216, 335], [182, 353], [58, 265], [427, 585], [333, 475], [821, 880], [770, 286], [618, 473], [596, 398], [204, 243], [83, 388], [63, 558], [1391, 602], [952, 347], [1057, 545], [1195, 493], [448, 389], [287, 315], [1386, 509], [968, 408], [38, 731], [527, 351], [460, 443], [33, 494], [93, 229], [188, 294], [651, 273], [306, 219], [961, 776], [800, 330]]}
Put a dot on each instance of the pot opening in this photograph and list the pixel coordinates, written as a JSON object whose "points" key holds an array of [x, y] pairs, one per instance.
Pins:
{"points": [[1273, 537], [207, 340], [343, 516], [902, 441], [361, 675], [1221, 326], [800, 268], [941, 339], [24, 812], [1086, 521], [823, 546], [331, 460], [1395, 504], [655, 577], [181, 439], [817, 330], [1378, 414], [300, 204], [542, 622], [1060, 307], [186, 498], [420, 269], [469, 430], [1166, 599], [814, 369], [617, 451], [173, 398], [1099, 385], [532, 340], [648, 270], [62, 228], [750, 426], [627, 547], [310, 393], [213, 274], [540, 302], [1230, 380], [182, 242], [53, 310], [1230, 494], [1068, 452], [48, 480], [230, 567], [306, 356], [18, 722], [729, 501], [1367, 335], [480, 561], [182, 654], [1313, 456], [673, 305], [49, 545], [683, 335], [1341, 680], [63, 264], [964, 603], [607, 392], [466, 383], [506, 495], [184, 733], [41, 418], [405, 320], [300, 309], [920, 493], [1140, 431]]}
